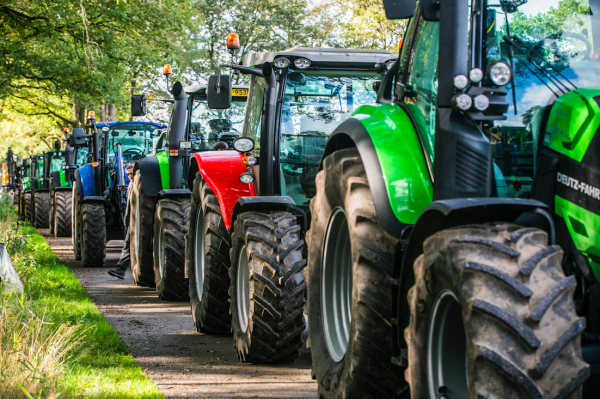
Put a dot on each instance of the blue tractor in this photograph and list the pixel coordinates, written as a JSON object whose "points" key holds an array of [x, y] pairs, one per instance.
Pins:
{"points": [[100, 186]]}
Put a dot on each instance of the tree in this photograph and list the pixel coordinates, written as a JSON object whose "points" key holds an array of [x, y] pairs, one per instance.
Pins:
{"points": [[80, 54]]}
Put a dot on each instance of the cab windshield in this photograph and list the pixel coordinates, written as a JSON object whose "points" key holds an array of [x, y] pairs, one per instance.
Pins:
{"points": [[136, 140], [56, 162], [209, 126], [556, 46], [314, 105]]}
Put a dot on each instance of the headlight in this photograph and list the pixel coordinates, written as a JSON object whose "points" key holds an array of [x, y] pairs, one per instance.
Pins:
{"points": [[500, 73], [462, 101], [302, 63], [247, 178], [185, 145], [460, 82], [105, 129], [281, 63], [389, 64], [243, 144], [476, 75], [481, 102]]}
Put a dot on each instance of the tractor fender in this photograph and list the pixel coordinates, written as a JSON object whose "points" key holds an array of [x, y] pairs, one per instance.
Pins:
{"points": [[173, 193], [395, 163], [267, 203], [55, 189], [221, 171], [445, 214], [93, 198], [84, 178], [151, 175]]}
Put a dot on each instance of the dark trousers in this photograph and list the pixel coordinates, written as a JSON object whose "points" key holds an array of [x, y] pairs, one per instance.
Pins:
{"points": [[124, 260]]}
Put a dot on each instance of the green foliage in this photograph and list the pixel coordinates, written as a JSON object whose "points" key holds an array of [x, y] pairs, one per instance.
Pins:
{"points": [[54, 342], [59, 58], [368, 27]]}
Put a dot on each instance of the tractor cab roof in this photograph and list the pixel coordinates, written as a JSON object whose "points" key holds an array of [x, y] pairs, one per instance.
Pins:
{"points": [[325, 57]]}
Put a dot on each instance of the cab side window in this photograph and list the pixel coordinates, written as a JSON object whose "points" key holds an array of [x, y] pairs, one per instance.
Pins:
{"points": [[423, 80], [254, 113]]}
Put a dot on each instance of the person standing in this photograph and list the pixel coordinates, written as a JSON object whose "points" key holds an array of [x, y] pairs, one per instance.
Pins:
{"points": [[124, 260]]}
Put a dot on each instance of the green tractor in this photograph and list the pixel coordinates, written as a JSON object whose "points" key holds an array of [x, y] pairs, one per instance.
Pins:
{"points": [[455, 223], [160, 197], [61, 173], [24, 186], [36, 173]]}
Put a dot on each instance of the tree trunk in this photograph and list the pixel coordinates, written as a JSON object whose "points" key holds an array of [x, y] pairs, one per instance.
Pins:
{"points": [[112, 113]]}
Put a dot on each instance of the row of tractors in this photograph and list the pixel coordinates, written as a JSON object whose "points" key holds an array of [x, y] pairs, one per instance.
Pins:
{"points": [[385, 211]]}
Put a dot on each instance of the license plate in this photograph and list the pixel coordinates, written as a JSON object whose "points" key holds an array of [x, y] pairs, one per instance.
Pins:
{"points": [[239, 92]]}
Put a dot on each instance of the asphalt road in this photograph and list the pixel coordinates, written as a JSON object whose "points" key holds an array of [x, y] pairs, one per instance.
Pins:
{"points": [[160, 335]]}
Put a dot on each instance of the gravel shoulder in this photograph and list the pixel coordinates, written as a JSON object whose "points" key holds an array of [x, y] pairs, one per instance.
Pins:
{"points": [[163, 340]]}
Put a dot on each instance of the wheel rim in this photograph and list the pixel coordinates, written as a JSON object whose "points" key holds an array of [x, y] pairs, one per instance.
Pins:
{"points": [[243, 290], [199, 252], [336, 285], [161, 251], [446, 349]]}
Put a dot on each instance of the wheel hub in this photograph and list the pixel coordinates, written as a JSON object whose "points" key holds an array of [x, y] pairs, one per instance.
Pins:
{"points": [[243, 290], [336, 285], [199, 256], [446, 349]]}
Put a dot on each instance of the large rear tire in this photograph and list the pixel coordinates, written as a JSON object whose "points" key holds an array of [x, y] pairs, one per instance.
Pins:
{"points": [[492, 316], [141, 228], [41, 210], [62, 213], [51, 209], [350, 260], [93, 243], [170, 227], [207, 253], [76, 232], [28, 207], [267, 287]]}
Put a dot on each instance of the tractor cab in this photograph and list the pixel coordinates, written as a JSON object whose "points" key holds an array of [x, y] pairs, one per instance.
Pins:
{"points": [[316, 89], [136, 140]]}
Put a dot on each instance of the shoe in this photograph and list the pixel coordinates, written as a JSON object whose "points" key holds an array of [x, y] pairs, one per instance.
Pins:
{"points": [[118, 273]]}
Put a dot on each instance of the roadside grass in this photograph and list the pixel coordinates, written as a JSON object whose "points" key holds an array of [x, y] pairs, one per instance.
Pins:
{"points": [[57, 316]]}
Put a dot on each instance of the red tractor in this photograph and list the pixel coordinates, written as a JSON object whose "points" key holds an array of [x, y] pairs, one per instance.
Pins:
{"points": [[245, 249]]}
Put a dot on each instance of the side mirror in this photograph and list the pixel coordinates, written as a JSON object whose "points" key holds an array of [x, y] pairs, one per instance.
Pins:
{"points": [[399, 9], [57, 145], [221, 100], [78, 136], [138, 105]]}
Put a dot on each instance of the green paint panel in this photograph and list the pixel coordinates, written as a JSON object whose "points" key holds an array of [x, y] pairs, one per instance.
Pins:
{"points": [[408, 184], [580, 221], [574, 119], [27, 183], [163, 164]]}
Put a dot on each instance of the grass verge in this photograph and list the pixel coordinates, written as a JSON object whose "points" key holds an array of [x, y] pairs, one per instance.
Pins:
{"points": [[53, 340]]}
